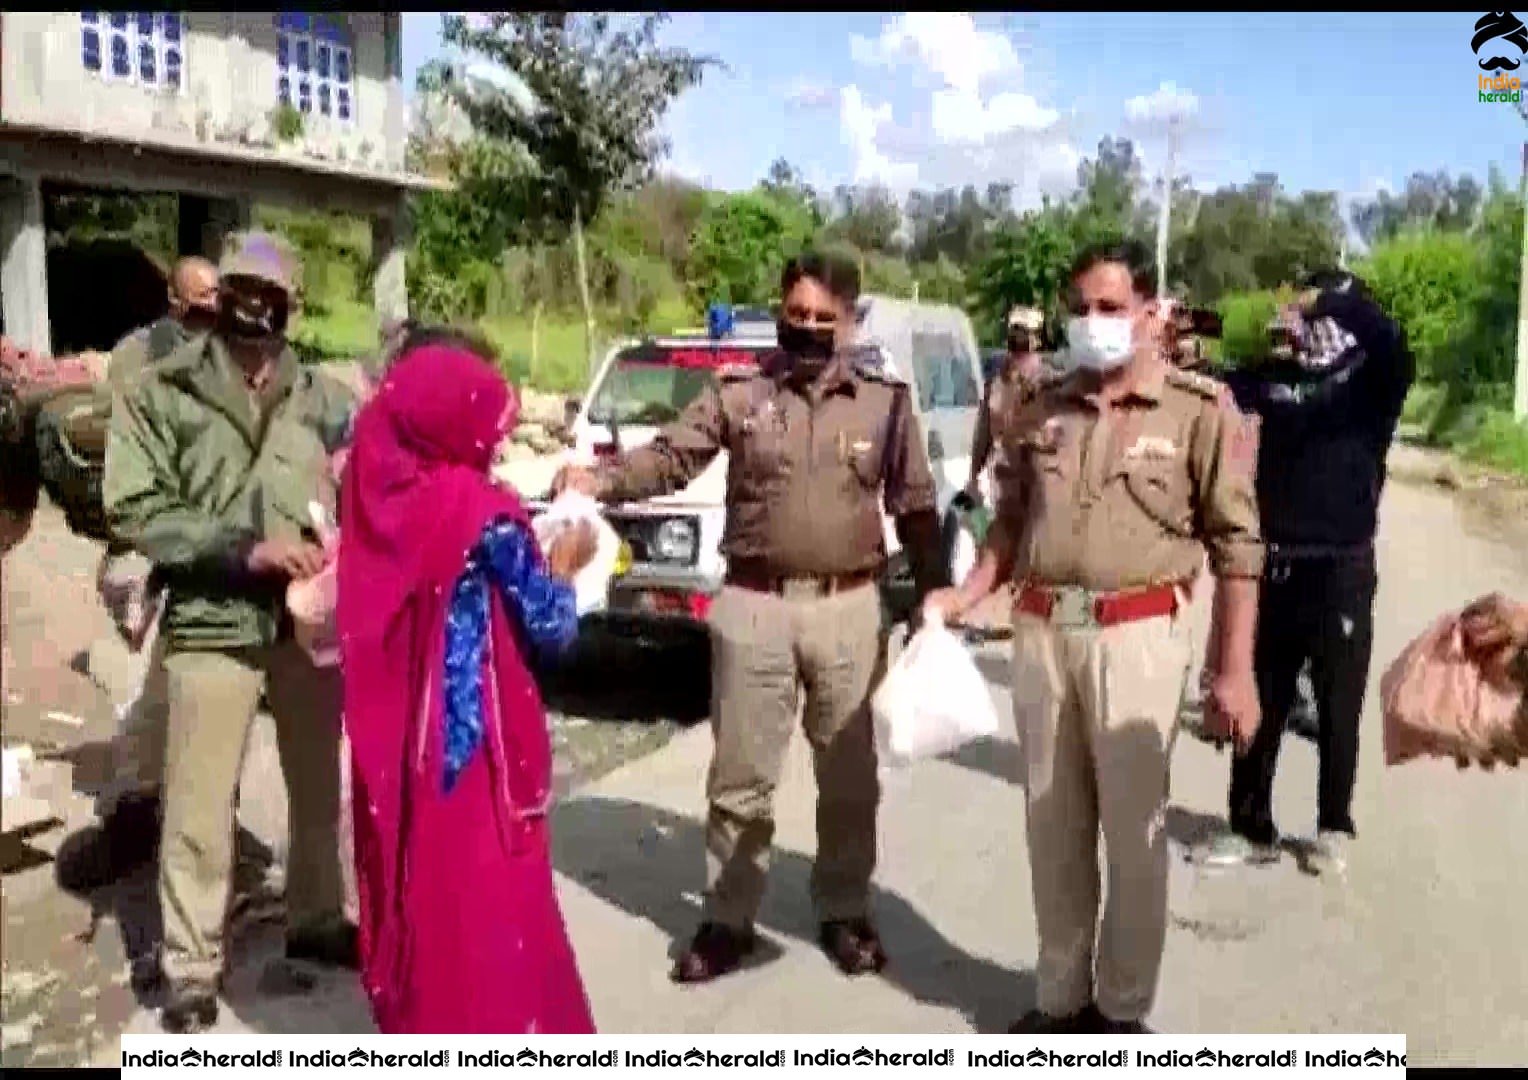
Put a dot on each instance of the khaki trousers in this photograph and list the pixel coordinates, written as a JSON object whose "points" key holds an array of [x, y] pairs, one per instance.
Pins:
{"points": [[213, 701], [139, 750], [133, 676], [765, 650], [1097, 711]]}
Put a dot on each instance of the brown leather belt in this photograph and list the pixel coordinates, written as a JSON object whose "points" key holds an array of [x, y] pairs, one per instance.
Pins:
{"points": [[1075, 607], [764, 581]]}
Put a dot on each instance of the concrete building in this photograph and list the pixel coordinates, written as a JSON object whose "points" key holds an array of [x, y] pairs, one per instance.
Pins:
{"points": [[222, 109]]}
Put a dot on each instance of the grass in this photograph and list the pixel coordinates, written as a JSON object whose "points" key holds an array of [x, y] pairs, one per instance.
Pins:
{"points": [[1480, 429], [345, 329]]}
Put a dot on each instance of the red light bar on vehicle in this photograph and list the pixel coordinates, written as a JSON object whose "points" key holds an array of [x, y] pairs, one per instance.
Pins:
{"points": [[693, 358]]}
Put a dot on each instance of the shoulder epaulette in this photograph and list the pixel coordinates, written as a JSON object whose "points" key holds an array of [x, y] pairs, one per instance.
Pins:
{"points": [[1196, 382], [885, 377]]}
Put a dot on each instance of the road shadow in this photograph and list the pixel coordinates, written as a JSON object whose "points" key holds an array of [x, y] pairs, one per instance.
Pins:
{"points": [[642, 858], [16, 855], [275, 996], [131, 901], [92, 765], [1190, 828], [1001, 759], [996, 666]]}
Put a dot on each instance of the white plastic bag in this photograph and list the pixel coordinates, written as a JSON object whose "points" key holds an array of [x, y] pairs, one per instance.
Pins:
{"points": [[933, 700], [591, 585], [313, 601]]}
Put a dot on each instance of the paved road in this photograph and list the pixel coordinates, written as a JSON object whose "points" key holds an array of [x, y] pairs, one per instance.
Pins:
{"points": [[1424, 937]]}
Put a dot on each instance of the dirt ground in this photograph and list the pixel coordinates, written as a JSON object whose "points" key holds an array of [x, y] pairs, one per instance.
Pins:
{"points": [[65, 992]]}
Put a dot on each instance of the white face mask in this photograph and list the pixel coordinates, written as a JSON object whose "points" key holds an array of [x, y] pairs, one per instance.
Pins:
{"points": [[1099, 342]]}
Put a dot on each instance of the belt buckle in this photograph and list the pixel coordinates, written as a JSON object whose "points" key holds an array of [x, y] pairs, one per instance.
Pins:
{"points": [[801, 588], [1073, 609]]}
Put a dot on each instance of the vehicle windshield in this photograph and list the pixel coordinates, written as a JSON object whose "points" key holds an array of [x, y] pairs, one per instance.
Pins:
{"points": [[650, 385]]}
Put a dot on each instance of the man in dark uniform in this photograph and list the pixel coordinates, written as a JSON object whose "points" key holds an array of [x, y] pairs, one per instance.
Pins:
{"points": [[815, 445], [1329, 404]]}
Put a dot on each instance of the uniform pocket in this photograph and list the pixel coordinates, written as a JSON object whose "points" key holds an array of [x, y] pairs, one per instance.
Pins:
{"points": [[764, 455], [864, 459], [1158, 489]]}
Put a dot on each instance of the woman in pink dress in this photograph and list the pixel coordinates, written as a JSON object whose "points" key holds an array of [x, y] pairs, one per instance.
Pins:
{"points": [[442, 595]]}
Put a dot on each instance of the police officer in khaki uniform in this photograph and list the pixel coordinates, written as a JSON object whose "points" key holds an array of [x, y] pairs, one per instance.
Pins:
{"points": [[1022, 370], [1116, 481], [213, 458], [816, 444]]}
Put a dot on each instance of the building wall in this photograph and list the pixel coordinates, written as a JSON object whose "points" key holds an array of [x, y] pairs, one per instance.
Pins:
{"points": [[228, 94]]}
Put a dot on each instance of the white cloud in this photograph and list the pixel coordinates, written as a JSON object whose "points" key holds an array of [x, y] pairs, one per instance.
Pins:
{"points": [[1163, 103], [959, 117], [975, 124], [947, 43], [860, 123]]}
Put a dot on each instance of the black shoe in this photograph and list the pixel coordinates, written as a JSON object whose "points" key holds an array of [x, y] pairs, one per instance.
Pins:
{"points": [[190, 1013], [337, 945], [1088, 1021], [854, 946], [126, 839], [715, 951]]}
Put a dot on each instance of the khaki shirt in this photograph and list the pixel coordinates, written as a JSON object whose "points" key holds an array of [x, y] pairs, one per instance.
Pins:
{"points": [[808, 469], [1133, 496]]}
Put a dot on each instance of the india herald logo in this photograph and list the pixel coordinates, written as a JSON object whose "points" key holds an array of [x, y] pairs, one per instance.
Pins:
{"points": [[1499, 43]]}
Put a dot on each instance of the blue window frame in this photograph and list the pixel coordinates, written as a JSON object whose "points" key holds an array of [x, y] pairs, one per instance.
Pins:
{"points": [[90, 41], [145, 48], [315, 64]]}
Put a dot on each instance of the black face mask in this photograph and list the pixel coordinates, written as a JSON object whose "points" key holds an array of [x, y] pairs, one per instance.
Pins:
{"points": [[252, 320], [199, 320], [1021, 342], [812, 347]]}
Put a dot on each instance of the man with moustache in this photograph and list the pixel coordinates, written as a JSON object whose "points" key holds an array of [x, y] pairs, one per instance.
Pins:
{"points": [[214, 456], [817, 443], [132, 593], [1113, 485]]}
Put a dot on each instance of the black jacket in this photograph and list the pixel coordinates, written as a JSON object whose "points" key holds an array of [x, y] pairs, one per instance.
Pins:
{"points": [[1321, 455]]}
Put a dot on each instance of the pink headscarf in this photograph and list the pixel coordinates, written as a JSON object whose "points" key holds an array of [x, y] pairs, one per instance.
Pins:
{"points": [[415, 500]]}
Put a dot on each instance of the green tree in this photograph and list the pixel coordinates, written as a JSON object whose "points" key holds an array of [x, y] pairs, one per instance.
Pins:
{"points": [[1426, 281], [941, 281], [866, 218], [740, 245], [1434, 200], [1108, 199], [596, 90], [1026, 264]]}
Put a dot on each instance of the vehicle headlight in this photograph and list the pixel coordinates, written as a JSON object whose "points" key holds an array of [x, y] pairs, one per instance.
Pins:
{"points": [[676, 541]]}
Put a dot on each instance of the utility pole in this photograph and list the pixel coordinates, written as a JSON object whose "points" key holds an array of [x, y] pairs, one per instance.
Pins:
{"points": [[1342, 232], [1520, 382], [1164, 218]]}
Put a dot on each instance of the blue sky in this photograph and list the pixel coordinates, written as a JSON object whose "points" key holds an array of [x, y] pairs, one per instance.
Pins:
{"points": [[1329, 101]]}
